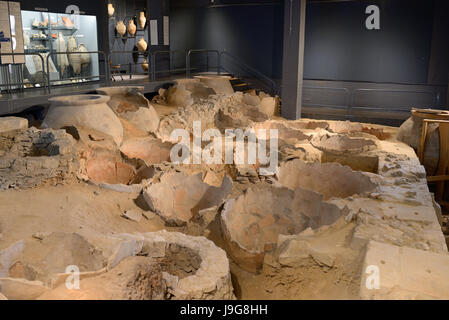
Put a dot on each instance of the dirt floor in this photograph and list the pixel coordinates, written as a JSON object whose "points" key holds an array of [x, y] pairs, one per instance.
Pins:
{"points": [[342, 190], [88, 210], [81, 208]]}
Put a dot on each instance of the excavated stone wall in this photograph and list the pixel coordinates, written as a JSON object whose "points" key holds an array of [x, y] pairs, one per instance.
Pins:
{"points": [[32, 157]]}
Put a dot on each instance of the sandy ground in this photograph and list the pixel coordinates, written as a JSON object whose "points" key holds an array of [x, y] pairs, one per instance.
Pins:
{"points": [[89, 210], [80, 208]]}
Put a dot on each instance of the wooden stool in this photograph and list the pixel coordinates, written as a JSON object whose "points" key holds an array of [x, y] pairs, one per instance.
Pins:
{"points": [[115, 69]]}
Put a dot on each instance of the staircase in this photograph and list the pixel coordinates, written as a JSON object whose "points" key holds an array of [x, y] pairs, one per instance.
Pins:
{"points": [[239, 84]]}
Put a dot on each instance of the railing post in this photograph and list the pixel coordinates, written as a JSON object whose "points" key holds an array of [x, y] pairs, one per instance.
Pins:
{"points": [[48, 72], [44, 82], [188, 64], [153, 65], [107, 70], [150, 65]]}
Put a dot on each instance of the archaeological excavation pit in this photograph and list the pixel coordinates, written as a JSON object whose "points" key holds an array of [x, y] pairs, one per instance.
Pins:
{"points": [[332, 180], [290, 156], [252, 223]]}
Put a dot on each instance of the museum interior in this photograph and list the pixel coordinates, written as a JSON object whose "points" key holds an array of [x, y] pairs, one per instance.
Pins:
{"points": [[139, 140]]}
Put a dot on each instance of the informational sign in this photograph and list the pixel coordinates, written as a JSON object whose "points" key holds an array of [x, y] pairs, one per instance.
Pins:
{"points": [[153, 33], [6, 47], [15, 18], [11, 26], [166, 31]]}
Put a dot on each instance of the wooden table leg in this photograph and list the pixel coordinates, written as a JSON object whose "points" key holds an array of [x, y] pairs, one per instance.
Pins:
{"points": [[443, 165]]}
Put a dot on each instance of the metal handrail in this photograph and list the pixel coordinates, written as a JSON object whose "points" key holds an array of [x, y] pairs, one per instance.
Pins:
{"points": [[106, 62], [345, 90], [28, 54], [354, 93], [273, 85], [153, 60], [188, 68]]}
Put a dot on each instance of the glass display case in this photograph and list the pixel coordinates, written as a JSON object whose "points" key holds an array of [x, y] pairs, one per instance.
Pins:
{"points": [[62, 40]]}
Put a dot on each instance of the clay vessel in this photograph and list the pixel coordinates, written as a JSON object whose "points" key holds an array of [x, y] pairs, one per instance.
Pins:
{"points": [[142, 45], [62, 59], [145, 65], [221, 84], [121, 28], [74, 58], [111, 9], [130, 104], [132, 27], [85, 58], [142, 20], [88, 111]]}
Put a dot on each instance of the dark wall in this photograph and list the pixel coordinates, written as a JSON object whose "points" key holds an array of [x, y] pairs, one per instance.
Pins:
{"points": [[250, 32], [337, 44], [339, 47]]}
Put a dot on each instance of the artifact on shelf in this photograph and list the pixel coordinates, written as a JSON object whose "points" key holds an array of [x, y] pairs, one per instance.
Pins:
{"points": [[85, 58], [67, 22], [35, 23], [38, 63], [111, 9], [26, 40], [39, 36], [61, 46], [142, 19], [145, 65], [132, 27], [142, 45], [74, 57], [120, 28], [44, 23]]}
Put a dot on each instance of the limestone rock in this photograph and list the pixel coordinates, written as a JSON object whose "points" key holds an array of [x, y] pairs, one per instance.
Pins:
{"points": [[132, 215], [32, 157], [269, 106], [404, 273], [21, 289], [12, 124]]}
